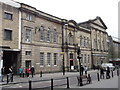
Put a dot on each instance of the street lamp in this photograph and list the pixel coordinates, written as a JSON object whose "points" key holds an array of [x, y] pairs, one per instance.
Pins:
{"points": [[79, 57]]}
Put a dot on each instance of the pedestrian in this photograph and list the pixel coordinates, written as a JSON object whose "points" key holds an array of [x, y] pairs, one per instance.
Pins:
{"points": [[27, 72], [11, 70], [85, 68], [108, 73], [20, 71], [101, 73], [2, 73], [23, 72], [82, 69], [93, 66], [32, 70], [11, 73]]}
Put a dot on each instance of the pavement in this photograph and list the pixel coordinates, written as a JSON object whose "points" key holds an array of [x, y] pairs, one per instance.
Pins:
{"points": [[103, 83], [17, 78]]}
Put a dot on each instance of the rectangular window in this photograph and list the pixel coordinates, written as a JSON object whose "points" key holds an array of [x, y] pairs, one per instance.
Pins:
{"points": [[71, 56], [28, 35], [28, 16], [88, 58], [8, 16], [28, 53], [85, 58], [41, 59], [48, 58], [48, 35], [87, 42], [7, 34], [42, 35], [80, 40], [94, 44], [55, 58], [84, 42], [55, 36]]}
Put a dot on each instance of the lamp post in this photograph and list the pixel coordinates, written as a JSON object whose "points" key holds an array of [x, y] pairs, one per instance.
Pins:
{"points": [[79, 57], [64, 24], [63, 66]]}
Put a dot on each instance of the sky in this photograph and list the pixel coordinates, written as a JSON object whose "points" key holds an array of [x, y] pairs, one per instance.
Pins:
{"points": [[81, 10]]}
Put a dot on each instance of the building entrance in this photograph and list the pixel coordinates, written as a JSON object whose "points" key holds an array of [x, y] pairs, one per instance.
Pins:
{"points": [[10, 59]]}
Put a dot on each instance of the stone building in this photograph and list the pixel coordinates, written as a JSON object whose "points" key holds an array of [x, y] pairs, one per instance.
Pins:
{"points": [[76, 37], [29, 37], [99, 37], [114, 51], [9, 35], [41, 40]]}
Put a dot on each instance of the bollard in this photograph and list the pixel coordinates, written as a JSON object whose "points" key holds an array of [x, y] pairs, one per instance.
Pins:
{"points": [[89, 79], [117, 72], [98, 77], [68, 82], [41, 74], [11, 77], [30, 85], [7, 78], [112, 73], [51, 84], [81, 82], [106, 75]]}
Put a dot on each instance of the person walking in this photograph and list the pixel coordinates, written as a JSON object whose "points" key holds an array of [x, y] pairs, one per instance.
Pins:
{"points": [[85, 68], [108, 73], [32, 70], [11, 70], [23, 73], [2, 73], [20, 71], [82, 69], [93, 66], [101, 73], [27, 72], [11, 73]]}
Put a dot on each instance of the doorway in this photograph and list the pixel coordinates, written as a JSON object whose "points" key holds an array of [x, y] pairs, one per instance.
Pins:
{"points": [[28, 64], [71, 62], [10, 59]]}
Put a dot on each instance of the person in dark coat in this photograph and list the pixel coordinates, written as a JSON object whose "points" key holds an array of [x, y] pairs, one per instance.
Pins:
{"points": [[2, 73], [108, 73], [82, 69], [32, 70], [101, 73]]}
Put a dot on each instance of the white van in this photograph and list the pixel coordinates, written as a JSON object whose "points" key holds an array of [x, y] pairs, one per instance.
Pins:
{"points": [[105, 65]]}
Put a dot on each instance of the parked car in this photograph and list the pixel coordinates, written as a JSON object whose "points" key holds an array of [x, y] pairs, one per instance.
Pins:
{"points": [[110, 65]]}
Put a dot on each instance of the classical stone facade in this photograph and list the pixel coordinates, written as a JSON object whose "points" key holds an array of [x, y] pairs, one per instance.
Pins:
{"points": [[99, 37], [50, 43], [41, 40], [76, 37]]}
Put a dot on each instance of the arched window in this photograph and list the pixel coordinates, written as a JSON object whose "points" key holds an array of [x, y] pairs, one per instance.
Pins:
{"points": [[41, 33]]}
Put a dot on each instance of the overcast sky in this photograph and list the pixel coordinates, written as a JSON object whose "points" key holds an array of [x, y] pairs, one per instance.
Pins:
{"points": [[81, 10]]}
